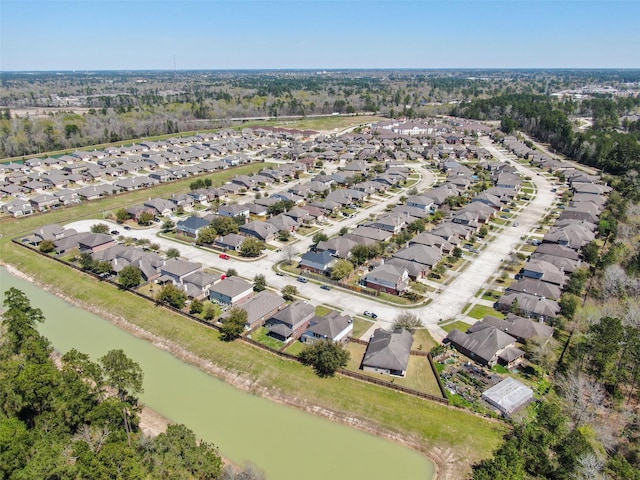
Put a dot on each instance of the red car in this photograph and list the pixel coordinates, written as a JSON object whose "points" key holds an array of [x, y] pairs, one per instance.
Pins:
{"points": [[224, 256]]}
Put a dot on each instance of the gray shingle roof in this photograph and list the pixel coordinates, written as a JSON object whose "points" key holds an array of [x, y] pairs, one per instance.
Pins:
{"points": [[389, 350]]}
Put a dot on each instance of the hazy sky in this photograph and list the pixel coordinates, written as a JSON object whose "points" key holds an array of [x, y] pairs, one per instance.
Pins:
{"points": [[245, 34]]}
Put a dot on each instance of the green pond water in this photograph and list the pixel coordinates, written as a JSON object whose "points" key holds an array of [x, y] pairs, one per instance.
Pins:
{"points": [[282, 441]]}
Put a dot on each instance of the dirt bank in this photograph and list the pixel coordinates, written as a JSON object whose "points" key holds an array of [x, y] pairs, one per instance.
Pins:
{"points": [[448, 463]]}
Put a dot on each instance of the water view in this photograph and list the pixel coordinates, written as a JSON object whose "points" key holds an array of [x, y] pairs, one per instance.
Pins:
{"points": [[284, 442]]}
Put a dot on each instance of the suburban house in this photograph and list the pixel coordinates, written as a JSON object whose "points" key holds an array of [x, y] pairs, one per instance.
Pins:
{"points": [[261, 307], [175, 270], [522, 329], [545, 271], [233, 210], [482, 343], [160, 206], [388, 352], [333, 326], [376, 234], [538, 288], [388, 278], [529, 305], [198, 284], [191, 226], [317, 262], [230, 291], [94, 242], [291, 322], [231, 241], [338, 247], [418, 253], [261, 230]]}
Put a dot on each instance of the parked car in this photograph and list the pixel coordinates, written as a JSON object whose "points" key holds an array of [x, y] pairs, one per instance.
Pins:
{"points": [[302, 280], [325, 287], [280, 274], [127, 227], [515, 224], [115, 232], [224, 256], [367, 313]]}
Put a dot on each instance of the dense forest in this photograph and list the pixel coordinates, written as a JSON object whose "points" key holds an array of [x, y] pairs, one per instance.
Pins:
{"points": [[90, 108], [75, 418], [588, 425], [604, 145]]}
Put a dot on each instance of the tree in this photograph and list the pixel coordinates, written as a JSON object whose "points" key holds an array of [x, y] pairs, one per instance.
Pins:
{"points": [[173, 253], [289, 292], [47, 246], [252, 247], [483, 232], [568, 305], [289, 252], [280, 206], [122, 215], [259, 283], [233, 325], [168, 225], [207, 235], [146, 218], [591, 252], [122, 374], [408, 321], [326, 357], [360, 254], [196, 307], [319, 237], [341, 269], [175, 453], [20, 318], [130, 277], [231, 272], [172, 295], [284, 236], [99, 228], [224, 225]]}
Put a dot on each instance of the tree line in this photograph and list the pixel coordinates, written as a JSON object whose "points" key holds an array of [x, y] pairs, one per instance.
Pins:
{"points": [[80, 418]]}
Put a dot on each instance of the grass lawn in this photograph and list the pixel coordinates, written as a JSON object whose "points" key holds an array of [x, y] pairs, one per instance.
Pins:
{"points": [[360, 326], [492, 295], [432, 425], [422, 340], [260, 335], [480, 311], [460, 325], [321, 310], [295, 348], [419, 374]]}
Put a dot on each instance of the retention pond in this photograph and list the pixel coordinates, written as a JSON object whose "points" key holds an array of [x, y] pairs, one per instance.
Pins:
{"points": [[284, 442]]}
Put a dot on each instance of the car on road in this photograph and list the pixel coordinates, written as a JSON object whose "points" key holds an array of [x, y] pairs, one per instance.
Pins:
{"points": [[302, 280], [367, 313], [325, 287], [516, 224], [115, 232], [280, 274], [224, 256], [127, 227]]}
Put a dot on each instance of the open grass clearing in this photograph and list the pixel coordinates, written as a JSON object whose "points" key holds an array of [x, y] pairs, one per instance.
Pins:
{"points": [[360, 326], [261, 335], [295, 348], [459, 324], [480, 311]]}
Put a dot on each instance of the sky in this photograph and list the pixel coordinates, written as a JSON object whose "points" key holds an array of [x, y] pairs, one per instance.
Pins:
{"points": [[41, 35]]}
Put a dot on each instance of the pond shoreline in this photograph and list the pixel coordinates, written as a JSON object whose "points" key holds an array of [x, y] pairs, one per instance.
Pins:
{"points": [[445, 460]]}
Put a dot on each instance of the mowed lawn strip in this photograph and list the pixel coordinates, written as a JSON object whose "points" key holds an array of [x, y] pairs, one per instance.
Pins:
{"points": [[433, 425]]}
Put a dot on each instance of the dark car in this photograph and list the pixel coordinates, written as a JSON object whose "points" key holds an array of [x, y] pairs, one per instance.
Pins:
{"points": [[115, 232], [325, 287], [127, 227], [302, 280]]}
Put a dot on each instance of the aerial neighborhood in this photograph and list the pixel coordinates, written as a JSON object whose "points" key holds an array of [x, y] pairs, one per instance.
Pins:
{"points": [[380, 219]]}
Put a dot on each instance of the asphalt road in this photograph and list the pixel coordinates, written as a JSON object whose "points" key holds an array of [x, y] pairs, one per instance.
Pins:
{"points": [[449, 303]]}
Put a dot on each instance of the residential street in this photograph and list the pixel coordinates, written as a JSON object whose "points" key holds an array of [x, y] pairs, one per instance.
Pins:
{"points": [[449, 303]]}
